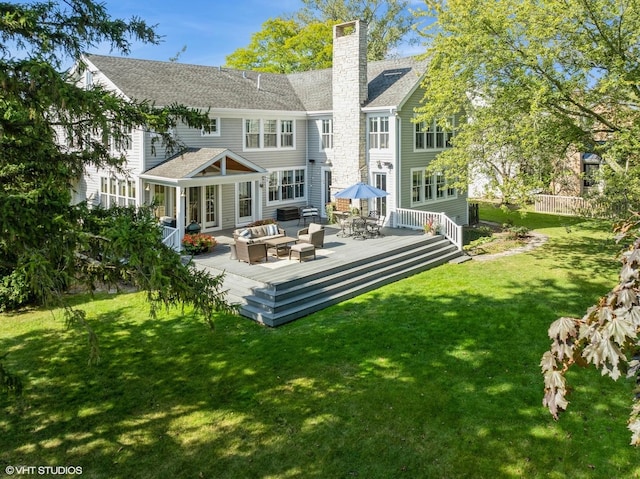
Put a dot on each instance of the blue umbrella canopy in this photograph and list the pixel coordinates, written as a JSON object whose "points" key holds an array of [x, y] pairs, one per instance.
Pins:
{"points": [[361, 191]]}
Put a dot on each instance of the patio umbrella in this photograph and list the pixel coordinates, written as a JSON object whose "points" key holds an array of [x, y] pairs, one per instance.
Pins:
{"points": [[361, 191]]}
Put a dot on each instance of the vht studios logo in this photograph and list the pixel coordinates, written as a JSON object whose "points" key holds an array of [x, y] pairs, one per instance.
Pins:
{"points": [[42, 470]]}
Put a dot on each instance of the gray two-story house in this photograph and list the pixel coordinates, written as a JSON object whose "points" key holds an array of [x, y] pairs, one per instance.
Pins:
{"points": [[278, 140]]}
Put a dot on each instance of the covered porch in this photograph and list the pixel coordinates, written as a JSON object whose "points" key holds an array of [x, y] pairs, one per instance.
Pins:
{"points": [[212, 187]]}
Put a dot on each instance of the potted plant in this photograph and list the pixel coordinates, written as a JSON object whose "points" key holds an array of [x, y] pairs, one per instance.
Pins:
{"points": [[431, 227], [196, 243]]}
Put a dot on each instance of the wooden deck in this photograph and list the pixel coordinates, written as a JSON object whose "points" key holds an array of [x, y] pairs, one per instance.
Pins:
{"points": [[282, 290]]}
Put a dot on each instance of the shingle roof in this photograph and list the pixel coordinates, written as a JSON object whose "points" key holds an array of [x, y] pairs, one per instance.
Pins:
{"points": [[164, 83], [192, 160], [184, 163]]}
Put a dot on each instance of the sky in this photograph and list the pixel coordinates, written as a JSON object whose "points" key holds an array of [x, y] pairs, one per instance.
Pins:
{"points": [[210, 29]]}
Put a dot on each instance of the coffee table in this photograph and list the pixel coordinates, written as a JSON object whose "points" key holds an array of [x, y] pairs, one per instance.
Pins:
{"points": [[280, 243]]}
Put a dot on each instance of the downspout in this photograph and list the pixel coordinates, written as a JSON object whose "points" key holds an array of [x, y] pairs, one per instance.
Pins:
{"points": [[398, 168], [306, 158], [142, 194]]}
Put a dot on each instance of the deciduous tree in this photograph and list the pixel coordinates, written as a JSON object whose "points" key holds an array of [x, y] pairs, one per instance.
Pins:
{"points": [[285, 46], [564, 71], [605, 337], [390, 22], [304, 41]]}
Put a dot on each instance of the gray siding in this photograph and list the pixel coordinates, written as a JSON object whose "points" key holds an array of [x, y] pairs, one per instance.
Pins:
{"points": [[455, 208]]}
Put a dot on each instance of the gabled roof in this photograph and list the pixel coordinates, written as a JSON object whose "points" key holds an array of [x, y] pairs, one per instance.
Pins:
{"points": [[164, 83], [197, 163], [390, 82]]}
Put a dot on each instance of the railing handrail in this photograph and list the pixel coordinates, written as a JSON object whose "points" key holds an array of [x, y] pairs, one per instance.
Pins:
{"points": [[416, 219], [170, 237]]}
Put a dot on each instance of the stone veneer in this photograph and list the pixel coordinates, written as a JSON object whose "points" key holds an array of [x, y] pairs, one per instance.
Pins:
{"points": [[350, 87]]}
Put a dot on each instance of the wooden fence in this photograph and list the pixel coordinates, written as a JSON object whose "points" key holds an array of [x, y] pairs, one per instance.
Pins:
{"points": [[561, 205]]}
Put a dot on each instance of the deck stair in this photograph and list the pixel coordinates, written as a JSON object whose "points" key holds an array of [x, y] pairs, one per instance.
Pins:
{"points": [[277, 302]]}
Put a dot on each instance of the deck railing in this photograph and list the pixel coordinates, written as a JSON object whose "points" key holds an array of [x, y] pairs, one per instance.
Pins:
{"points": [[170, 237], [415, 219]]}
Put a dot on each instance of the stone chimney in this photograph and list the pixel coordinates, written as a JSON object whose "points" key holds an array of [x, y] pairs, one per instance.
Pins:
{"points": [[350, 88]]}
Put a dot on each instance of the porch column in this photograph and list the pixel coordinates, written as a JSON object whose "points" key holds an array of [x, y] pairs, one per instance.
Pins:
{"points": [[181, 198]]}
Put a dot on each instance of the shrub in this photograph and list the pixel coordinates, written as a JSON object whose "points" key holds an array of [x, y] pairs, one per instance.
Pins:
{"points": [[267, 221], [517, 232]]}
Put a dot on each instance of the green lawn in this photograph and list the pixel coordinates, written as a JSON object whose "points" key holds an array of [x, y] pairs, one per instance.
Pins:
{"points": [[436, 376]]}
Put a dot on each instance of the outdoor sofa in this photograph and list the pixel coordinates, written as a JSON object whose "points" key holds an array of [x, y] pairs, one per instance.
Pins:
{"points": [[249, 242], [259, 234]]}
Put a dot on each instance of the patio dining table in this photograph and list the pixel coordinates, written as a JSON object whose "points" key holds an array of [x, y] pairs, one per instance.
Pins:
{"points": [[355, 226]]}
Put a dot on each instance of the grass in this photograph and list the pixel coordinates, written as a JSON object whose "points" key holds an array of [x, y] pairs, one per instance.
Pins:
{"points": [[435, 376]]}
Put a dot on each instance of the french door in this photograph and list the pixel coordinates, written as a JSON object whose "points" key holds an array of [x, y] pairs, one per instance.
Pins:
{"points": [[380, 204], [202, 206], [326, 188], [245, 202], [211, 206]]}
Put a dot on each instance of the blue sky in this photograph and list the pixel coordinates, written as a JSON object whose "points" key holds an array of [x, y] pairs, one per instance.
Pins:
{"points": [[210, 29]]}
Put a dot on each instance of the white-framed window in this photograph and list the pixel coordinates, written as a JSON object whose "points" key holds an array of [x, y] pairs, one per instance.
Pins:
{"points": [[379, 132], [270, 136], [269, 133], [428, 187], [326, 134], [214, 128], [286, 133], [432, 136], [88, 79], [126, 140], [117, 192], [252, 133], [285, 185]]}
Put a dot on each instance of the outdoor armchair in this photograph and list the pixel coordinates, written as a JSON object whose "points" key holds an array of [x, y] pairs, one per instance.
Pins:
{"points": [[250, 252], [313, 234]]}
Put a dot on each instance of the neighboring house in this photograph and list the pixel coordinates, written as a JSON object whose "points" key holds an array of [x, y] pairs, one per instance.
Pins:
{"points": [[581, 175], [278, 140]]}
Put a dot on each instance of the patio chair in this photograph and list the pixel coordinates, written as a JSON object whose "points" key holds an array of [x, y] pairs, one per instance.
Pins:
{"points": [[359, 228], [345, 224], [374, 226], [308, 213], [313, 234], [250, 252]]}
